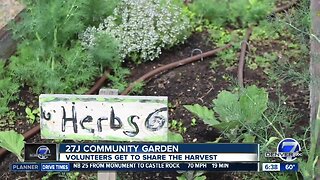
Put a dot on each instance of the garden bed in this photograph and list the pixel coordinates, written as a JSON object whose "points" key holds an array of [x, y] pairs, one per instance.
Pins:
{"points": [[196, 83]]}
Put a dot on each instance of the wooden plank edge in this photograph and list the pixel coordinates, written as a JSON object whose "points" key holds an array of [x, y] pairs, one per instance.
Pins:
{"points": [[8, 45]]}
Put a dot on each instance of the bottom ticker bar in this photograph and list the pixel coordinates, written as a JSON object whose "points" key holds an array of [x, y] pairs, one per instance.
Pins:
{"points": [[148, 166], [130, 166]]}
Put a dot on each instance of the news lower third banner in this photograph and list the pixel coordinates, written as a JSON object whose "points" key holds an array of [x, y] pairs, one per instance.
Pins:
{"points": [[159, 152], [139, 157]]}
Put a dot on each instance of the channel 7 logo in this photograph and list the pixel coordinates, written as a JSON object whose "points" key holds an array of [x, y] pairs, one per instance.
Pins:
{"points": [[39, 152], [288, 150]]}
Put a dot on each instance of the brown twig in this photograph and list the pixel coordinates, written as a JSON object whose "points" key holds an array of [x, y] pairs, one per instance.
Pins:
{"points": [[244, 45], [172, 66]]}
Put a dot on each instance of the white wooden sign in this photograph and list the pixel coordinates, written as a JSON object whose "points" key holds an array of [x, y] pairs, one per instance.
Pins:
{"points": [[104, 117]]}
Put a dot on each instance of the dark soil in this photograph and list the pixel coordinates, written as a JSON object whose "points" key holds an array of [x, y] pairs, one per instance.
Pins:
{"points": [[189, 84]]}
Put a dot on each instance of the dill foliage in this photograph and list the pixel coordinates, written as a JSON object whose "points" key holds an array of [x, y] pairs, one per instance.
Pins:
{"points": [[8, 89], [50, 57]]}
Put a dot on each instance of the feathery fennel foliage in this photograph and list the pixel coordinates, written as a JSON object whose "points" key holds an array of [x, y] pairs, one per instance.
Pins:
{"points": [[8, 89], [50, 58]]}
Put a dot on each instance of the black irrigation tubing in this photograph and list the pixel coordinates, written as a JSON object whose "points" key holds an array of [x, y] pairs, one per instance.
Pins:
{"points": [[174, 65], [245, 44]]}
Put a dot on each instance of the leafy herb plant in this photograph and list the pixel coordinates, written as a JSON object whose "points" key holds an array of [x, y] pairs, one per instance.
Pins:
{"points": [[8, 89], [32, 114], [13, 142], [143, 28], [192, 175], [50, 57], [241, 13], [177, 126], [247, 116]]}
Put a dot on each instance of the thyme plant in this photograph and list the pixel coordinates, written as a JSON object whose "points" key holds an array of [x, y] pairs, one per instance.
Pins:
{"points": [[143, 28]]}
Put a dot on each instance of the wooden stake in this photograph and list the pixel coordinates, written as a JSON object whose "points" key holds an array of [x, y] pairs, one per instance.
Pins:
{"points": [[107, 175]]}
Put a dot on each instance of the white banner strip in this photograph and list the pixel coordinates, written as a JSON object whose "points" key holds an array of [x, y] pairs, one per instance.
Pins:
{"points": [[160, 157]]}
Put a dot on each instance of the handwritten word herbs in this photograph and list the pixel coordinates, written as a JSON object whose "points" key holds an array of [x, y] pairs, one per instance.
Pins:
{"points": [[103, 117]]}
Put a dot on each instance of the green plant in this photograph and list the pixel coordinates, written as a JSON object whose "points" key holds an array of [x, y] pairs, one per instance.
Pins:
{"points": [[193, 122], [192, 175], [177, 126], [8, 89], [204, 113], [118, 78], [241, 13], [49, 175], [298, 21], [138, 88], [50, 57], [11, 117], [21, 103], [263, 61], [143, 28], [174, 137], [297, 73], [309, 168], [69, 175], [237, 112], [247, 116], [267, 30], [32, 114], [13, 142], [220, 36], [105, 51]]}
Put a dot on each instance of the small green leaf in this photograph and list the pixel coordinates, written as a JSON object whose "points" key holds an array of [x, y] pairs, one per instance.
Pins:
{"points": [[248, 138], [174, 137], [253, 102], [31, 116], [225, 126], [203, 113], [28, 111], [173, 123], [193, 122], [36, 111], [200, 178], [13, 142], [227, 106], [271, 139], [181, 177]]}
